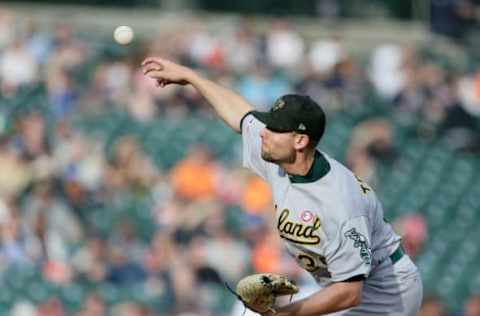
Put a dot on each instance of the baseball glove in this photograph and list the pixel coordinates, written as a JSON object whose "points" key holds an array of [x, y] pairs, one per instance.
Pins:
{"points": [[259, 291]]}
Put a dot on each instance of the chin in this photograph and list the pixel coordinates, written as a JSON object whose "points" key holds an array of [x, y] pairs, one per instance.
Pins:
{"points": [[267, 157]]}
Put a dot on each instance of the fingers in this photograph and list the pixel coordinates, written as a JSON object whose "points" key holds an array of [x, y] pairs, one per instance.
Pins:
{"points": [[150, 60], [159, 69], [149, 68], [152, 64], [156, 74]]}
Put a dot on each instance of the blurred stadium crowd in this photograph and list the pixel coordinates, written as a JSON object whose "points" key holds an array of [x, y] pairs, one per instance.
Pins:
{"points": [[119, 198]]}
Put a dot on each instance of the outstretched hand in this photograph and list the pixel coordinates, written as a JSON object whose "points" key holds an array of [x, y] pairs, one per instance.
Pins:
{"points": [[166, 72]]}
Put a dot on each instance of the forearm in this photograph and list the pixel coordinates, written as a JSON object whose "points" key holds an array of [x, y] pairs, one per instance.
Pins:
{"points": [[336, 297], [230, 106]]}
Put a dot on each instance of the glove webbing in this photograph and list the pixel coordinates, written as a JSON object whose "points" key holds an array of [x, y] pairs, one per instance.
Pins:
{"points": [[245, 303]]}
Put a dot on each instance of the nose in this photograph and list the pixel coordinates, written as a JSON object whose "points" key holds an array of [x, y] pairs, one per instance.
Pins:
{"points": [[263, 132]]}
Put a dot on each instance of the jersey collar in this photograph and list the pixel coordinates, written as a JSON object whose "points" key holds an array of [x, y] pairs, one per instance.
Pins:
{"points": [[320, 168]]}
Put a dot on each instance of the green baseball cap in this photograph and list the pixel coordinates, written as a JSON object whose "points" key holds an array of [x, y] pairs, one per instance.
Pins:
{"points": [[294, 113]]}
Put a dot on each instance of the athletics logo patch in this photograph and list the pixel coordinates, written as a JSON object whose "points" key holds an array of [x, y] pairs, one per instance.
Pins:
{"points": [[277, 106], [359, 241], [306, 216]]}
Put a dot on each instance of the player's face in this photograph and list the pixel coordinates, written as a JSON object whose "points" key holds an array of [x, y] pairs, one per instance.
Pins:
{"points": [[277, 147]]}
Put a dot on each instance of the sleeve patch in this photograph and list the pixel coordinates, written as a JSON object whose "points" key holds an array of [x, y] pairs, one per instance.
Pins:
{"points": [[359, 241]]}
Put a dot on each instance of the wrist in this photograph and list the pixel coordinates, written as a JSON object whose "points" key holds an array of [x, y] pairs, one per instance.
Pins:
{"points": [[285, 310], [192, 77]]}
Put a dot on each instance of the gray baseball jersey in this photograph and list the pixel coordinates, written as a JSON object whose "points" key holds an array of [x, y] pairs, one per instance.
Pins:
{"points": [[332, 223]]}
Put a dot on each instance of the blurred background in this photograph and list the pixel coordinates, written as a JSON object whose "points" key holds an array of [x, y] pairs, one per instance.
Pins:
{"points": [[119, 198]]}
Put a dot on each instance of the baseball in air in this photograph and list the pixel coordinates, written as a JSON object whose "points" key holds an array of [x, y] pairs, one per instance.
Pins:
{"points": [[123, 35]]}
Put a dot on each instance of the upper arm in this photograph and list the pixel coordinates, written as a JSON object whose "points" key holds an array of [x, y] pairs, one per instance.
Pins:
{"points": [[229, 105]]}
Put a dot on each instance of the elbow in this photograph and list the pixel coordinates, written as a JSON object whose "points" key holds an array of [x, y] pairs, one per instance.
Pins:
{"points": [[356, 300], [353, 294], [355, 297]]}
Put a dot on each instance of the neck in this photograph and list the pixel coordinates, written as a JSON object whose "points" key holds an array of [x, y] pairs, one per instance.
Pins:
{"points": [[302, 163]]}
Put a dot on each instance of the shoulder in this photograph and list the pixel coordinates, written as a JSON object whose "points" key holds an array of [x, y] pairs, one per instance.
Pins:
{"points": [[337, 168], [339, 197], [248, 121], [347, 185]]}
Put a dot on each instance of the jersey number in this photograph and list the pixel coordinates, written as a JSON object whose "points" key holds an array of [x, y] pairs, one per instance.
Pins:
{"points": [[308, 262]]}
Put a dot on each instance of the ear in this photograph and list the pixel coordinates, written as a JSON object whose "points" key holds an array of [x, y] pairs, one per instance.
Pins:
{"points": [[301, 141]]}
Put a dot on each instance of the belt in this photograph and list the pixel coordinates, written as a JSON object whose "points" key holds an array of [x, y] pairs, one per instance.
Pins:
{"points": [[397, 255]]}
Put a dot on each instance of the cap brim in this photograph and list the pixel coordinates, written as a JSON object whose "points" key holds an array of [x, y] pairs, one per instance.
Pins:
{"points": [[264, 117], [271, 122]]}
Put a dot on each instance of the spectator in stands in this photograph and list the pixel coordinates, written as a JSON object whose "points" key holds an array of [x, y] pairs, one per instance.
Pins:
{"points": [[50, 219], [23, 308], [69, 52], [130, 168], [371, 142], [386, 70], [122, 268], [194, 177], [130, 309], [432, 306], [243, 53], [51, 307], [38, 42], [61, 93], [285, 47], [257, 197], [7, 32], [94, 305], [452, 18], [267, 254], [15, 247], [17, 67], [15, 172], [472, 306], [31, 140], [413, 229], [261, 86], [90, 261]]}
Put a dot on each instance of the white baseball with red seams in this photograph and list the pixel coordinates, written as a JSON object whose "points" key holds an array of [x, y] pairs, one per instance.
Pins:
{"points": [[123, 34]]}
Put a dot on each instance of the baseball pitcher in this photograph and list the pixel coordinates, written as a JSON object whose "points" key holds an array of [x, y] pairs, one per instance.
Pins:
{"points": [[331, 221]]}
